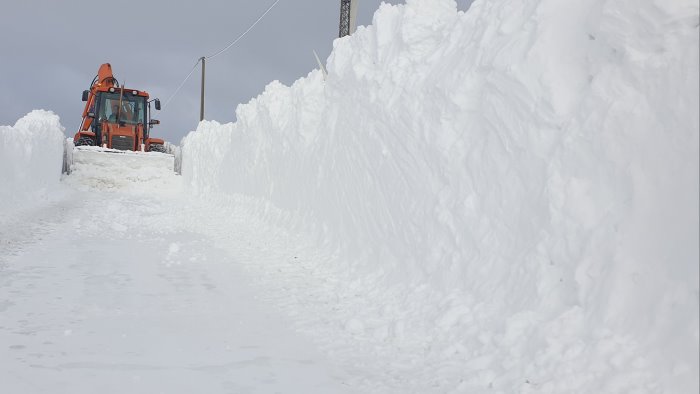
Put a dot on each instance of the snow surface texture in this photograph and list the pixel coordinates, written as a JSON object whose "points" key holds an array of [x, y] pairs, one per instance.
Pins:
{"points": [[98, 168], [102, 291], [514, 187], [30, 159]]}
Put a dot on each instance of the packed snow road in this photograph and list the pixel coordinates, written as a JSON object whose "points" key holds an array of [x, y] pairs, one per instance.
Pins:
{"points": [[105, 290]]}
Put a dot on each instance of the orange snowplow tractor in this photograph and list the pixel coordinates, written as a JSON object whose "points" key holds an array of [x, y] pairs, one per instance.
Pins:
{"points": [[115, 116]]}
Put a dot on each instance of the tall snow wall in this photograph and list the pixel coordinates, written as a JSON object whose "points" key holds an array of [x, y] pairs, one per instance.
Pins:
{"points": [[31, 153], [540, 157]]}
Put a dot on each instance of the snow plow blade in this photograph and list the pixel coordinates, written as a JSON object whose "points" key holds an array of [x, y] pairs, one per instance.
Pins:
{"points": [[111, 168]]}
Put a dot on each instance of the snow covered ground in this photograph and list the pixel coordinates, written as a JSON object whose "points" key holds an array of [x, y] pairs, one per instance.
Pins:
{"points": [[106, 292], [503, 200]]}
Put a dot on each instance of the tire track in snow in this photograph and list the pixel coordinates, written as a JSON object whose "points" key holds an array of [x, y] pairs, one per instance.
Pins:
{"points": [[108, 290]]}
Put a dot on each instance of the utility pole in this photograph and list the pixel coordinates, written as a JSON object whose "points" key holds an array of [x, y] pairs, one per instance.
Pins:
{"points": [[201, 101], [348, 17]]}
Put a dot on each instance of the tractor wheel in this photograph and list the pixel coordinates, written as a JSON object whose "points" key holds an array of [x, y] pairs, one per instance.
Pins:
{"points": [[85, 141], [157, 148]]}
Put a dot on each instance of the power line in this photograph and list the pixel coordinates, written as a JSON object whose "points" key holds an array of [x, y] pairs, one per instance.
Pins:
{"points": [[221, 51], [245, 32], [182, 83]]}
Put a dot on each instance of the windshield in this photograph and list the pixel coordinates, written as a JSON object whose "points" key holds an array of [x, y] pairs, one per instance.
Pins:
{"points": [[133, 108]]}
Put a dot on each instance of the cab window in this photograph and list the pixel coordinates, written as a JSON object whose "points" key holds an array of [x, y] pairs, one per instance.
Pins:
{"points": [[131, 110]]}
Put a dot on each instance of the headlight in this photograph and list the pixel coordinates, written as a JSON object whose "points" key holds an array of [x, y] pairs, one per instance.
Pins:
{"points": [[134, 92], [111, 90]]}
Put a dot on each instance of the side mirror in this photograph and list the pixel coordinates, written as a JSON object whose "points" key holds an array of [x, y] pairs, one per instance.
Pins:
{"points": [[157, 105], [153, 121], [86, 93]]}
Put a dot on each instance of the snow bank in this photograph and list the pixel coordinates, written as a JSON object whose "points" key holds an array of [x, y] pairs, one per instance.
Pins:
{"points": [[534, 161], [31, 153]]}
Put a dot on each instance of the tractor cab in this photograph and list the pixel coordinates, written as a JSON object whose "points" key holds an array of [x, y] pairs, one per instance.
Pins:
{"points": [[120, 119], [129, 109]]}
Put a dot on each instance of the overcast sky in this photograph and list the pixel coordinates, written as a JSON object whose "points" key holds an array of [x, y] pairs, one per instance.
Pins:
{"points": [[51, 50]]}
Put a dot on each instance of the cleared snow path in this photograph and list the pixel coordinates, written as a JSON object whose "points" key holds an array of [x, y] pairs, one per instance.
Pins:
{"points": [[105, 291]]}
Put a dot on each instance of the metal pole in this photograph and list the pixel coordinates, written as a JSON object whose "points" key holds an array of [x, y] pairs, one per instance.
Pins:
{"points": [[353, 16], [344, 18], [348, 16], [201, 106]]}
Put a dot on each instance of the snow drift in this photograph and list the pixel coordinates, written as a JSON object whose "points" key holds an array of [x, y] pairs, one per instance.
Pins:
{"points": [[31, 153], [534, 161]]}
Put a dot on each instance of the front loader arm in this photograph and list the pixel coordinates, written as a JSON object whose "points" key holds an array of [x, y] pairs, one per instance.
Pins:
{"points": [[104, 78]]}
